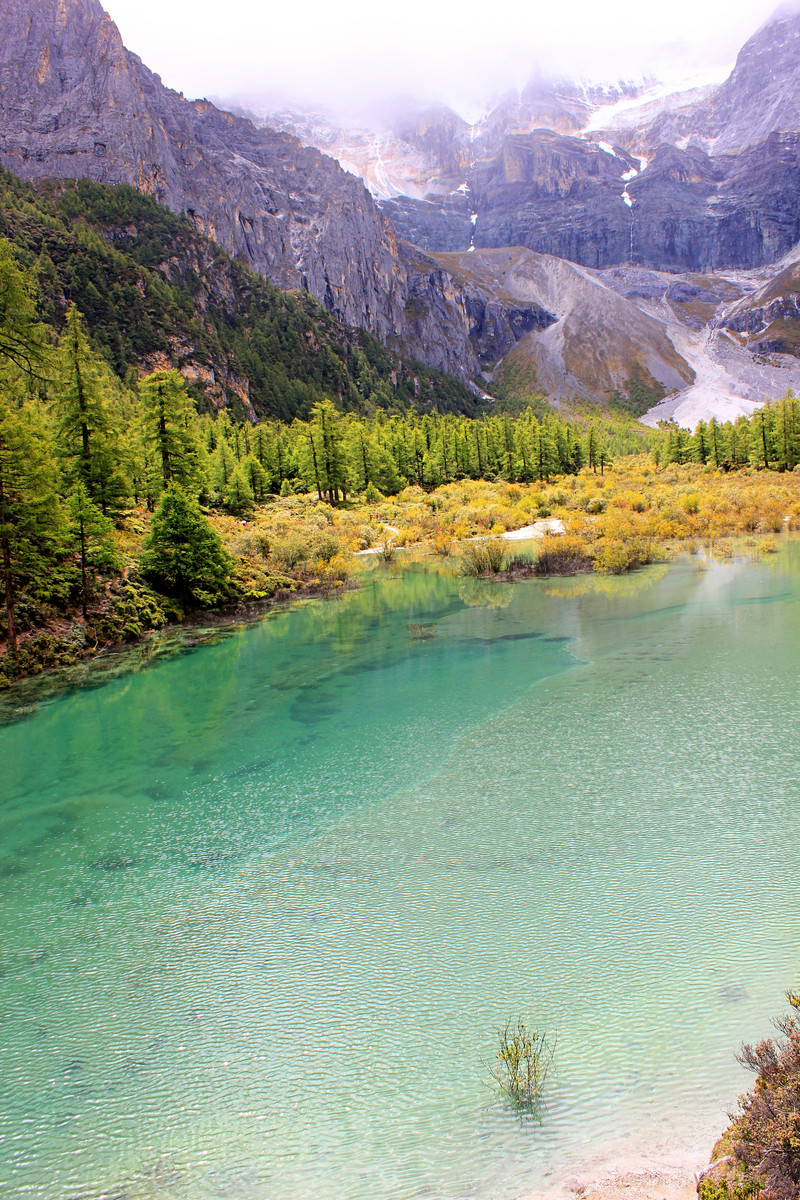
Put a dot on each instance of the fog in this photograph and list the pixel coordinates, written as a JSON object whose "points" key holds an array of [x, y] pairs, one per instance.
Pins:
{"points": [[352, 54]]}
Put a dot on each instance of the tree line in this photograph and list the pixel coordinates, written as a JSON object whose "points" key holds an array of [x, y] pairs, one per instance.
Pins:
{"points": [[80, 449], [768, 440]]}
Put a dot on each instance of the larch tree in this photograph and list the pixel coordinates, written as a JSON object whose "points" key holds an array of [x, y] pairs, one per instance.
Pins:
{"points": [[167, 411], [29, 510]]}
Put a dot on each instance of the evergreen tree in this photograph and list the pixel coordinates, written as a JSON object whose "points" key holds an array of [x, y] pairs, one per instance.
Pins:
{"points": [[221, 467], [91, 532], [238, 497], [324, 454], [183, 556], [762, 437], [256, 477], [81, 393], [167, 411], [29, 512]]}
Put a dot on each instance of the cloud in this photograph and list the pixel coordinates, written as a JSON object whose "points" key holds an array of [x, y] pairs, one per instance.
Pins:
{"points": [[356, 51]]}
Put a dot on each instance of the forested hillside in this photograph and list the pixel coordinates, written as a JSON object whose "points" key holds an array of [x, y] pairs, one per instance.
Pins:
{"points": [[155, 293]]}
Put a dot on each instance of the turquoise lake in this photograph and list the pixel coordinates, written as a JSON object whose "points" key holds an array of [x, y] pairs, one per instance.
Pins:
{"points": [[265, 904]]}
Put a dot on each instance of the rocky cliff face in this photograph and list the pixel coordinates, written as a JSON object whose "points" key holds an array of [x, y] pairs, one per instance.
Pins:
{"points": [[601, 205], [761, 96], [75, 103]]}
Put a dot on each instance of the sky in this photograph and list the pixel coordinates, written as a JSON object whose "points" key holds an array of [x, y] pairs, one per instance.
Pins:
{"points": [[350, 52]]}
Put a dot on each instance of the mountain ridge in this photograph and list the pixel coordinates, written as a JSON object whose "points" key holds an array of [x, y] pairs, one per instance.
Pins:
{"points": [[75, 103]]}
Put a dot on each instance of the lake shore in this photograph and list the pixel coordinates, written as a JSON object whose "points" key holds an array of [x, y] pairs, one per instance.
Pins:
{"points": [[89, 665], [641, 1183], [662, 1172]]}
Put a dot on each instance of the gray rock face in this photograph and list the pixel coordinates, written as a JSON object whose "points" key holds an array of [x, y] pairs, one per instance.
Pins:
{"points": [[761, 96], [566, 196], [75, 103], [486, 326], [495, 326], [437, 315], [436, 223]]}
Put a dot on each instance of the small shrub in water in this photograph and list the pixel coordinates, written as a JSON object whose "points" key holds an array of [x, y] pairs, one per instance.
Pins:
{"points": [[421, 633], [483, 558], [522, 1060], [563, 554]]}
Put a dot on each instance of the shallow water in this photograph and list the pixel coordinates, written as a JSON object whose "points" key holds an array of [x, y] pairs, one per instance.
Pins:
{"points": [[265, 905]]}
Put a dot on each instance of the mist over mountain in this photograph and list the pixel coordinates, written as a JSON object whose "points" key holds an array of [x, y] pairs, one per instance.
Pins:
{"points": [[353, 56]]}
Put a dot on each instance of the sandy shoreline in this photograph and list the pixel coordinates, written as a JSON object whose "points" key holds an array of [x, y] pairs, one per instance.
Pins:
{"points": [[640, 1183], [661, 1165], [622, 1173]]}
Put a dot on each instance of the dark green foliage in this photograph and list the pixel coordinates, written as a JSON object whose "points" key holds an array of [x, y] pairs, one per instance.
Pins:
{"points": [[148, 284], [82, 392], [643, 392], [183, 556], [166, 413]]}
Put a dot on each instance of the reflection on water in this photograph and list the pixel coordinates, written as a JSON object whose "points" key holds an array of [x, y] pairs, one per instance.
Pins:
{"points": [[264, 905]]}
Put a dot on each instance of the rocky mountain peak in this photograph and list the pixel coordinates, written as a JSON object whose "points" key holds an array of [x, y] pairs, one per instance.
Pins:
{"points": [[760, 96], [75, 103]]}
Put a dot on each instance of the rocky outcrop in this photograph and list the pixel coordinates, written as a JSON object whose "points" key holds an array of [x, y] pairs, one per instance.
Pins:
{"points": [[495, 326], [437, 316], [769, 318], [584, 339]]}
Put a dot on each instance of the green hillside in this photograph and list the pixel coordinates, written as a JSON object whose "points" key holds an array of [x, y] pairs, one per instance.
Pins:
{"points": [[155, 293]]}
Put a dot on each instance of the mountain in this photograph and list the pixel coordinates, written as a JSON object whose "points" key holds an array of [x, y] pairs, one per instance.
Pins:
{"points": [[701, 181], [74, 103], [512, 248], [155, 293], [760, 97]]}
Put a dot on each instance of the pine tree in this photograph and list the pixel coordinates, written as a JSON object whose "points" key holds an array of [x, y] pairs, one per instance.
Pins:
{"points": [[238, 497], [80, 396], [167, 411], [762, 437], [182, 555], [29, 511], [91, 532], [221, 467], [256, 476], [324, 456]]}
